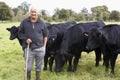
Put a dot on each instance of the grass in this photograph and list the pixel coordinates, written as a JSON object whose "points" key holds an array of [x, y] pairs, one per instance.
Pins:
{"points": [[12, 63]]}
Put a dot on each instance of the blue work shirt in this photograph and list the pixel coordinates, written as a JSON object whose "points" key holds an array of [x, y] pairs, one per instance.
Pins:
{"points": [[35, 31]]}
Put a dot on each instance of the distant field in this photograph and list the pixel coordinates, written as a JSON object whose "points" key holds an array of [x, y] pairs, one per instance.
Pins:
{"points": [[12, 63], [112, 22]]}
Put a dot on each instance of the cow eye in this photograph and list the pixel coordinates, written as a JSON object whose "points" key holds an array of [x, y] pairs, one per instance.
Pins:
{"points": [[98, 35]]}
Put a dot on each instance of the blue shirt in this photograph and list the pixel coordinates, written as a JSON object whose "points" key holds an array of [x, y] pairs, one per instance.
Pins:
{"points": [[35, 31]]}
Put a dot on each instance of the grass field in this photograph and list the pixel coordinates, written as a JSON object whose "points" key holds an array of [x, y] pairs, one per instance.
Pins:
{"points": [[12, 63]]}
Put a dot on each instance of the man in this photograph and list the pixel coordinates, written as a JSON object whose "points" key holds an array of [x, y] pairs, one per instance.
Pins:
{"points": [[33, 32]]}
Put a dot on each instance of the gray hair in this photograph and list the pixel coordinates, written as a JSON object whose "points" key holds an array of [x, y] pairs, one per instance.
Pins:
{"points": [[33, 7]]}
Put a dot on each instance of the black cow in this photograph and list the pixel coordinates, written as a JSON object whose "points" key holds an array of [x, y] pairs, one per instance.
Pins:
{"points": [[56, 32], [74, 42], [108, 38], [14, 33]]}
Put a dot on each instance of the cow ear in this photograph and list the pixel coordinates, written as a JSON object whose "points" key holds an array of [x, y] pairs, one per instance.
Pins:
{"points": [[85, 34], [8, 29]]}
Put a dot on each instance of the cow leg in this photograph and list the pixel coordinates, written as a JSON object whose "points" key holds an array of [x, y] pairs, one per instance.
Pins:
{"points": [[98, 56], [76, 60], [51, 62], [103, 59], [107, 59], [112, 62], [70, 63], [45, 62]]}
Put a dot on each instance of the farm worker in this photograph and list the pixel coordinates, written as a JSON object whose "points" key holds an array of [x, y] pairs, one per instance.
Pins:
{"points": [[33, 31]]}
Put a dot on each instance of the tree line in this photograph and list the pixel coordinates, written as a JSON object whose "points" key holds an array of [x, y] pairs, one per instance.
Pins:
{"points": [[21, 12]]}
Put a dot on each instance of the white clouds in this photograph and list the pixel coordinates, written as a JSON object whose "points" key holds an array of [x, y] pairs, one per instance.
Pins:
{"points": [[75, 5]]}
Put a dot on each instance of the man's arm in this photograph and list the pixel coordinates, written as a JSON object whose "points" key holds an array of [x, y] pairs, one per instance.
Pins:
{"points": [[45, 41], [21, 34]]}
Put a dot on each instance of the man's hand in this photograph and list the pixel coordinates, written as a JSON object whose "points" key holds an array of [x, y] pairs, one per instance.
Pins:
{"points": [[28, 41]]}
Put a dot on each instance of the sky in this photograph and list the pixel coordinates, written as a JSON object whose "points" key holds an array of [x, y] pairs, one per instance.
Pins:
{"points": [[75, 5]]}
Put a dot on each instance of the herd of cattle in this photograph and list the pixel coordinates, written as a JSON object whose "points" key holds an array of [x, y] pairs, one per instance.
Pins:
{"points": [[67, 40]]}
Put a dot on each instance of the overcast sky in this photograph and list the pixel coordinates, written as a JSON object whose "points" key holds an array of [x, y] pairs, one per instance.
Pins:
{"points": [[75, 5]]}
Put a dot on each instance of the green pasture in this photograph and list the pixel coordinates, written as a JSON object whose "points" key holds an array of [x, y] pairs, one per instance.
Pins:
{"points": [[12, 63]]}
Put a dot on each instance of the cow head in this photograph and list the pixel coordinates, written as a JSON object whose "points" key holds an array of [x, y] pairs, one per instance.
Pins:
{"points": [[13, 32], [94, 39], [60, 60], [51, 38], [53, 32]]}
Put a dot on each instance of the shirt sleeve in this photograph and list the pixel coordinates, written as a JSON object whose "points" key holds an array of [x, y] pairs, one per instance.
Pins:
{"points": [[21, 33], [45, 31]]}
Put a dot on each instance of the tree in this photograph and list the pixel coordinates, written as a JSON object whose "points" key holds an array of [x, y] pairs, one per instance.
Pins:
{"points": [[19, 16], [56, 14], [5, 12], [15, 11], [44, 14], [24, 6], [79, 17], [84, 11], [21, 11], [63, 14], [100, 12], [115, 15]]}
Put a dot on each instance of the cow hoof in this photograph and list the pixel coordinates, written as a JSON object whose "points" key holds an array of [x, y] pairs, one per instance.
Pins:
{"points": [[74, 70], [70, 70], [44, 68], [112, 72], [57, 70], [106, 69], [96, 65], [103, 64], [51, 70]]}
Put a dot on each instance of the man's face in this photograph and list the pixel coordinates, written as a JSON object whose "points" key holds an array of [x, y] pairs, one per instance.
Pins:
{"points": [[33, 13]]}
